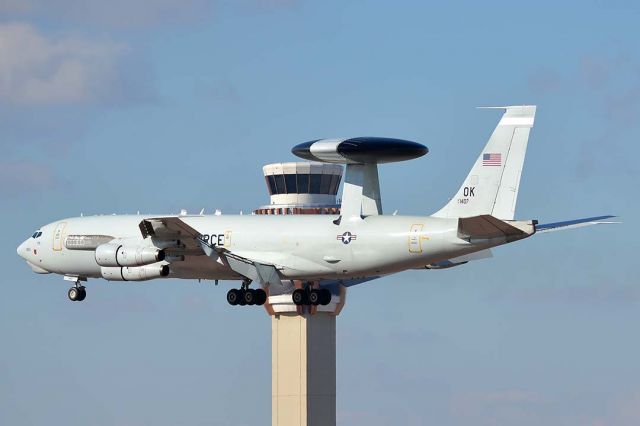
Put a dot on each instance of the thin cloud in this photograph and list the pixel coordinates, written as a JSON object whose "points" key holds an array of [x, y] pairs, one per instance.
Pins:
{"points": [[15, 7], [114, 14], [37, 69]]}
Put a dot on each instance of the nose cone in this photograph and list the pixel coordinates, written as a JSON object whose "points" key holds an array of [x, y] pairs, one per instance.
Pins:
{"points": [[22, 250]]}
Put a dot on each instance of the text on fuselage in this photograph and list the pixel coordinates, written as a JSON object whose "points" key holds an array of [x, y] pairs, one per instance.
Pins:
{"points": [[213, 239]]}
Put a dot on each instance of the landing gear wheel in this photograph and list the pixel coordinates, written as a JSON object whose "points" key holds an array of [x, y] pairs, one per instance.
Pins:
{"points": [[241, 299], [77, 294], [250, 296], [315, 297], [233, 296], [261, 297], [83, 294], [299, 297], [325, 296]]}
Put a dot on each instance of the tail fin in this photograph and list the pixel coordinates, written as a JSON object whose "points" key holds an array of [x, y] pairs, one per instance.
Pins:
{"points": [[492, 185]]}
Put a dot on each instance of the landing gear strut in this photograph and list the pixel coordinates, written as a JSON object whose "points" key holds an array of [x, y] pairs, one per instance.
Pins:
{"points": [[309, 296], [246, 296]]}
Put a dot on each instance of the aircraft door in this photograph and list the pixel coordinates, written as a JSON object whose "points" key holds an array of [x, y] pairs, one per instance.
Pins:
{"points": [[415, 239], [58, 234]]}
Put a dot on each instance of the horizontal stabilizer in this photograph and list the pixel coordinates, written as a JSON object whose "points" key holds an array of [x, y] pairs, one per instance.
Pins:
{"points": [[487, 227], [576, 223]]}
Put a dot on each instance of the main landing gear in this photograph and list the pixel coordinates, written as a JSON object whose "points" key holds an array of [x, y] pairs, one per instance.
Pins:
{"points": [[246, 296], [320, 296]]}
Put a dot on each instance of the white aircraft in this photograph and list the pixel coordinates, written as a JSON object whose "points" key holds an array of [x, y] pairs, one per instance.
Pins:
{"points": [[356, 246]]}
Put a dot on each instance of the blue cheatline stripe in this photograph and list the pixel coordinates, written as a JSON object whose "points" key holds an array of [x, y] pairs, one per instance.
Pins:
{"points": [[546, 226]]}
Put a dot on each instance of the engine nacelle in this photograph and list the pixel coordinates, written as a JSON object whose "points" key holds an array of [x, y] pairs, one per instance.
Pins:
{"points": [[134, 273], [116, 254]]}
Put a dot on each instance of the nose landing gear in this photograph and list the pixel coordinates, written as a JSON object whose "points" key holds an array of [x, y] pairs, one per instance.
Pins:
{"points": [[77, 293]]}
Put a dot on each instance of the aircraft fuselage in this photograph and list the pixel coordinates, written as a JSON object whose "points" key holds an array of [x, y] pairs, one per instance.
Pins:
{"points": [[306, 247]]}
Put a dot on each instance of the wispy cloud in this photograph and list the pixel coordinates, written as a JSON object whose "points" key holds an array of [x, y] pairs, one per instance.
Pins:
{"points": [[36, 69], [114, 14], [15, 7]]}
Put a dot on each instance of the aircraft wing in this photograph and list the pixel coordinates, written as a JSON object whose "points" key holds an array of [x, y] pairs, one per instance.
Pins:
{"points": [[259, 266], [263, 273], [264, 266], [575, 223], [172, 228]]}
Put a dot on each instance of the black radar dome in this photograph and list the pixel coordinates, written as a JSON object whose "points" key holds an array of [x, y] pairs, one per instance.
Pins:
{"points": [[360, 150]]}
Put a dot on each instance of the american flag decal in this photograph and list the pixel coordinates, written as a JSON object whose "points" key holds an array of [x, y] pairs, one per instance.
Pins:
{"points": [[492, 159]]}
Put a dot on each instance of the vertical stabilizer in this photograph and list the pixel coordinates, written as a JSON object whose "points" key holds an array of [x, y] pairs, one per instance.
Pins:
{"points": [[492, 185]]}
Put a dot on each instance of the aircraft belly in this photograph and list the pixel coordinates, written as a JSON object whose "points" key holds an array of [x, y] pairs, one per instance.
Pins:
{"points": [[201, 267]]}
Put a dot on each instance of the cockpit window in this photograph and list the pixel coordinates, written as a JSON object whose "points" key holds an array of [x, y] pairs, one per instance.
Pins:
{"points": [[36, 234]]}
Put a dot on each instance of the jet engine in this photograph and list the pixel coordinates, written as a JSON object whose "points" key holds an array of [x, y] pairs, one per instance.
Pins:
{"points": [[117, 254], [134, 273]]}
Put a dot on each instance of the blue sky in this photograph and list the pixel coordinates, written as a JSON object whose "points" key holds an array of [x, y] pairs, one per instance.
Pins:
{"points": [[124, 106]]}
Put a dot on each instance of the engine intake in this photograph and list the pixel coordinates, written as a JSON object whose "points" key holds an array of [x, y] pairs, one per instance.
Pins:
{"points": [[116, 254], [135, 273]]}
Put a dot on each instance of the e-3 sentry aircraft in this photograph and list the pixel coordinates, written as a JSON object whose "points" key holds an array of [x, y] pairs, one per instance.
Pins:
{"points": [[358, 245]]}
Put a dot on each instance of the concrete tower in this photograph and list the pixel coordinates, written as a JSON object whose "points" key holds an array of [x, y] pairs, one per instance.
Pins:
{"points": [[303, 338]]}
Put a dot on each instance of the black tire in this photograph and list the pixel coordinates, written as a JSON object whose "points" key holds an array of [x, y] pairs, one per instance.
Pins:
{"points": [[261, 297], [325, 297], [73, 294], [83, 294], [241, 299], [315, 297], [299, 297], [250, 297], [233, 296]]}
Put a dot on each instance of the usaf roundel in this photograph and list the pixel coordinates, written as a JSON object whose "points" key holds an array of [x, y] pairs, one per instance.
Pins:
{"points": [[347, 237]]}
